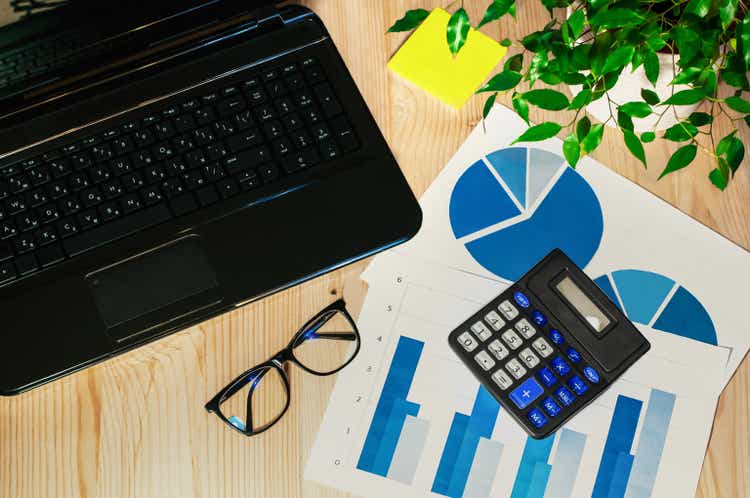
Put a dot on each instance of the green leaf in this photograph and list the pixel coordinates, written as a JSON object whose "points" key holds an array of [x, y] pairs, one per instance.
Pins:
{"points": [[514, 63], [488, 105], [616, 18], [583, 127], [687, 41], [723, 146], [681, 132], [551, 100], [700, 118], [411, 20], [619, 58], [501, 82], [458, 30], [747, 120], [738, 104], [537, 66], [521, 106], [686, 97], [625, 121], [539, 132], [681, 158], [743, 41], [651, 66], [572, 150], [598, 3], [505, 42], [496, 10], [656, 42], [720, 176], [686, 75], [593, 139], [636, 109], [583, 98], [650, 97], [576, 22], [698, 7], [635, 146], [648, 137], [727, 10], [732, 149]]}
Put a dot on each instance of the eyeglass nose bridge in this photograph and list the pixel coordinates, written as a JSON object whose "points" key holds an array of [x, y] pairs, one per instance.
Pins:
{"points": [[282, 357]]}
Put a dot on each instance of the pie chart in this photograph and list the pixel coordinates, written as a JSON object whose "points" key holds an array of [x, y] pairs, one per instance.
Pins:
{"points": [[512, 207], [658, 302]]}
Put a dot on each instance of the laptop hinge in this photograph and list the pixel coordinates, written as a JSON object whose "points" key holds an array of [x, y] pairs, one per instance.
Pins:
{"points": [[268, 16]]}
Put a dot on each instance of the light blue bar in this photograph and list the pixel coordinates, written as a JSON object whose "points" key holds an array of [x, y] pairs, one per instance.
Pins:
{"points": [[535, 451], [650, 444], [409, 450], [623, 465], [565, 466], [401, 408], [539, 479], [484, 469]]}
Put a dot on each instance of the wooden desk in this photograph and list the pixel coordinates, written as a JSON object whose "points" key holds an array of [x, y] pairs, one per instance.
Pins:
{"points": [[135, 426]]}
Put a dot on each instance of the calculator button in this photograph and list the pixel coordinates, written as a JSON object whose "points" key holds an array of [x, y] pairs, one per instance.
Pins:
{"points": [[573, 355], [525, 328], [526, 393], [560, 367], [529, 358], [521, 299], [496, 348], [546, 376], [502, 379], [485, 360], [468, 342], [481, 331], [565, 396], [591, 374], [512, 339], [550, 407], [556, 337], [536, 418], [539, 318], [494, 320], [508, 310], [542, 347], [515, 368], [577, 385]]}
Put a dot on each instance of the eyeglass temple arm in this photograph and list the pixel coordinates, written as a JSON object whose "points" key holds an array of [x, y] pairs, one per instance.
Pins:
{"points": [[335, 336]]}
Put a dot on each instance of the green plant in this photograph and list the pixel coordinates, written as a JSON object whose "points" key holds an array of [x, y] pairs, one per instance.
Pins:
{"points": [[599, 40]]}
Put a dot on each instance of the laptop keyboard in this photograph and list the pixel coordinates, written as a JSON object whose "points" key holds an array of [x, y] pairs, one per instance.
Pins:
{"points": [[185, 154]]}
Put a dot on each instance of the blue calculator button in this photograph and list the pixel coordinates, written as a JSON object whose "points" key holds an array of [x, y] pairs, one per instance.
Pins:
{"points": [[591, 374], [550, 407], [539, 318], [526, 393], [537, 418], [577, 385], [565, 396], [521, 299], [546, 376], [556, 337], [559, 366], [573, 355]]}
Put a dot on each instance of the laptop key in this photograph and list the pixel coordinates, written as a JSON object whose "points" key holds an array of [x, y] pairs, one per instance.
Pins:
{"points": [[6, 251], [207, 196], [26, 264], [245, 140], [228, 188], [50, 255], [7, 272], [183, 204]]}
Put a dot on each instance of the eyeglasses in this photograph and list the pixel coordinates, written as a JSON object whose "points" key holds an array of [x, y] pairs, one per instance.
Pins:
{"points": [[253, 402]]}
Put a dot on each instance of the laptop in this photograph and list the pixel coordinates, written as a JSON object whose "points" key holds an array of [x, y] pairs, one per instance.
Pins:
{"points": [[165, 162]]}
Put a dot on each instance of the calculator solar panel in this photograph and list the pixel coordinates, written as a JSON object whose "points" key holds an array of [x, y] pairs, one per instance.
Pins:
{"points": [[549, 345]]}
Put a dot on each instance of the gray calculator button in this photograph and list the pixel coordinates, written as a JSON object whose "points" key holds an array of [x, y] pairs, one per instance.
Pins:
{"points": [[508, 310], [529, 358], [496, 348], [542, 347], [481, 331], [525, 328], [494, 320], [515, 368], [485, 360], [502, 379], [468, 342], [512, 339]]}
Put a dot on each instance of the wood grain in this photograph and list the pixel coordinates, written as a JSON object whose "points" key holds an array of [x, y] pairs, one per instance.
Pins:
{"points": [[135, 426]]}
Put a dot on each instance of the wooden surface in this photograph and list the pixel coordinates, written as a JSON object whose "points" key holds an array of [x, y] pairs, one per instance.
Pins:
{"points": [[135, 426]]}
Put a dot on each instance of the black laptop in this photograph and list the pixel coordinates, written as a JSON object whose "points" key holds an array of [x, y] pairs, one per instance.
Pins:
{"points": [[163, 162]]}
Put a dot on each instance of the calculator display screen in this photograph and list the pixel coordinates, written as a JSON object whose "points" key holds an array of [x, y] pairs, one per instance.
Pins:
{"points": [[583, 304]]}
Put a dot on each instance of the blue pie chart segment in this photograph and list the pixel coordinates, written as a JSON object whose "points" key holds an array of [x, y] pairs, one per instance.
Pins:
{"points": [[642, 295], [568, 217]]}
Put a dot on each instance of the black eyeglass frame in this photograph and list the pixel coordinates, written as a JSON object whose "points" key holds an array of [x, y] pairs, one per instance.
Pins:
{"points": [[277, 362]]}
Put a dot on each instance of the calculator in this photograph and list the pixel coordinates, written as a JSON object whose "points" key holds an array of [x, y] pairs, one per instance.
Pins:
{"points": [[549, 345]]}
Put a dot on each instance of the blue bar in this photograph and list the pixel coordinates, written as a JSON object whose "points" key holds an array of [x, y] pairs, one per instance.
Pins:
{"points": [[623, 464], [536, 451], [619, 440], [397, 385], [650, 444], [409, 450], [447, 460], [539, 479], [388, 442], [484, 469], [565, 466]]}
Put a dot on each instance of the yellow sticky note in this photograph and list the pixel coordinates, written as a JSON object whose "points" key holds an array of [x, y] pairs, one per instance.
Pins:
{"points": [[426, 60]]}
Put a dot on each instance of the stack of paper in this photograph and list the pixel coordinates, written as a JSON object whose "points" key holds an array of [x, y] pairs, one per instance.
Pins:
{"points": [[407, 419]]}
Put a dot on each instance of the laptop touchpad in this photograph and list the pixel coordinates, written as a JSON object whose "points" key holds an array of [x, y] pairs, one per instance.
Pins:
{"points": [[145, 292]]}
